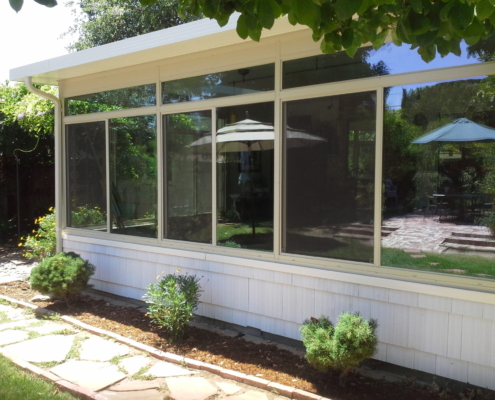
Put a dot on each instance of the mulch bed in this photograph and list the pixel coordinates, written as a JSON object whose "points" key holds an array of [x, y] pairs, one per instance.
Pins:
{"points": [[267, 361]]}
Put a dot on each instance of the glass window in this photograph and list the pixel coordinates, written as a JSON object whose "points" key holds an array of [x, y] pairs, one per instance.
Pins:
{"points": [[367, 62], [188, 171], [220, 84], [245, 141], [133, 177], [439, 177], [86, 176], [120, 99], [329, 147]]}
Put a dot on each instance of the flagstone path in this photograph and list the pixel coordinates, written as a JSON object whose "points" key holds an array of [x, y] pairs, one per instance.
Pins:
{"points": [[104, 369]]}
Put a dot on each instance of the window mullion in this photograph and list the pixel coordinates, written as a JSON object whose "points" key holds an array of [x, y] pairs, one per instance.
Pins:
{"points": [[378, 177], [214, 176], [107, 177]]}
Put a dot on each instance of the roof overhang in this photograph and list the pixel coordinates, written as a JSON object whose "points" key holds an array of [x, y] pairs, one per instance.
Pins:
{"points": [[179, 40]]}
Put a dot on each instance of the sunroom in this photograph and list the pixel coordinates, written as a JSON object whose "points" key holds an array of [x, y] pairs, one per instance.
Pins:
{"points": [[297, 184]]}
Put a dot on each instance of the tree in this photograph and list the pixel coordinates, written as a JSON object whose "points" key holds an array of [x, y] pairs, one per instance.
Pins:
{"points": [[431, 26], [106, 21], [26, 153]]}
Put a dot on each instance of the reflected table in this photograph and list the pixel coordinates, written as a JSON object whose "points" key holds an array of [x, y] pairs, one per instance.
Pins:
{"points": [[458, 204]]}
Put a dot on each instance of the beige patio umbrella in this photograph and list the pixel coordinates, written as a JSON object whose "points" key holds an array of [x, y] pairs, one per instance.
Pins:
{"points": [[250, 135]]}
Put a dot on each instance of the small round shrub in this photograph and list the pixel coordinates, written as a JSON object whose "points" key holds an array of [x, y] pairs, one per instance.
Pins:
{"points": [[62, 275], [172, 301], [342, 347]]}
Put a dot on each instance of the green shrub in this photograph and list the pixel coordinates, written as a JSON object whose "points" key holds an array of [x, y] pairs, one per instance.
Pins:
{"points": [[62, 275], [42, 243], [86, 215], [342, 347], [172, 302]]}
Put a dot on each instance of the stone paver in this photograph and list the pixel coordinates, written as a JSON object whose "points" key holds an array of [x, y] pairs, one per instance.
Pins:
{"points": [[133, 364], [16, 324], [149, 394], [425, 234], [89, 374], [250, 395], [43, 349], [190, 388], [164, 369], [12, 336], [132, 385], [228, 388], [98, 349], [94, 373], [17, 314], [49, 327]]}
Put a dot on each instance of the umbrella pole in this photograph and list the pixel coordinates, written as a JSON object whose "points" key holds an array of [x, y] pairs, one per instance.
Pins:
{"points": [[253, 229]]}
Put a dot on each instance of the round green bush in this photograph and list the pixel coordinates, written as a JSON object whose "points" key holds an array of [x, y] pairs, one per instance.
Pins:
{"points": [[62, 275]]}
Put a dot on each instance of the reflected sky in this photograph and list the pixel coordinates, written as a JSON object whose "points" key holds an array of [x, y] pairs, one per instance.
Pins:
{"points": [[402, 59]]}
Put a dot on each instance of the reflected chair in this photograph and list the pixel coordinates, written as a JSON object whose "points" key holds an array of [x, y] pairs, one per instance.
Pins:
{"points": [[431, 206]]}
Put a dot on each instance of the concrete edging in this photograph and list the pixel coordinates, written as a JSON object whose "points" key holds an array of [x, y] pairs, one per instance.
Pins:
{"points": [[240, 377]]}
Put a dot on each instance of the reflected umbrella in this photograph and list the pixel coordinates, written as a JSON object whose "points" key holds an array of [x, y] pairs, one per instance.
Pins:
{"points": [[460, 130], [249, 135]]}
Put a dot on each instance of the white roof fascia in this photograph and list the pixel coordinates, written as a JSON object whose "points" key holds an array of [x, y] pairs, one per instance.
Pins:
{"points": [[179, 40]]}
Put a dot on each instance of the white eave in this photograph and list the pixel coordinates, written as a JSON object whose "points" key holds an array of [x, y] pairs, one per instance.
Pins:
{"points": [[183, 39]]}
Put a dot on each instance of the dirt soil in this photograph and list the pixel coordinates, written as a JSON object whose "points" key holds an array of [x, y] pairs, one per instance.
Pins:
{"points": [[267, 361]]}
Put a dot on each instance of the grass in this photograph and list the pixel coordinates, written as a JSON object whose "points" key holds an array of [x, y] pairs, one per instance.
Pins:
{"points": [[74, 352], [142, 376], [241, 236], [18, 384], [3, 317], [472, 264], [51, 317], [47, 364]]}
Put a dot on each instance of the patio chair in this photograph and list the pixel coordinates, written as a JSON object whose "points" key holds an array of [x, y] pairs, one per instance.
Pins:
{"points": [[431, 206]]}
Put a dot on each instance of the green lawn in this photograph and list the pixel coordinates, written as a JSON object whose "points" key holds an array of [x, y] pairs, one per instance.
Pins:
{"points": [[16, 383], [472, 264]]}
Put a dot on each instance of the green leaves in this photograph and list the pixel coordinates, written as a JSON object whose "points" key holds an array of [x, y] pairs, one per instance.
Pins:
{"points": [[16, 4], [431, 26], [461, 15], [347, 8]]}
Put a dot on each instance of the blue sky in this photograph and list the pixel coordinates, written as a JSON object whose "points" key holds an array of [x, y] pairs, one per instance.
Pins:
{"points": [[32, 34]]}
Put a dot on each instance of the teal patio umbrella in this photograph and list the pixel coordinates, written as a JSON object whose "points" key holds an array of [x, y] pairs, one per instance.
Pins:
{"points": [[460, 130]]}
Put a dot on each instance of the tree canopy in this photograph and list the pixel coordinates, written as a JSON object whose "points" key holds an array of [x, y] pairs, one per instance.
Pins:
{"points": [[430, 26], [106, 21]]}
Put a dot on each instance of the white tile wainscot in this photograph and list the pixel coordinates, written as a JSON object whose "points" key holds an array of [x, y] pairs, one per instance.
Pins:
{"points": [[433, 329]]}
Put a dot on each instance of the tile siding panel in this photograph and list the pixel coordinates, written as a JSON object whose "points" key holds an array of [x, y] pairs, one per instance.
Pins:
{"points": [[448, 337]]}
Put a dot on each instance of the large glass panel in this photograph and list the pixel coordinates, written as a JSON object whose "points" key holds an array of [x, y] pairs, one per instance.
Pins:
{"points": [[86, 176], [120, 99], [439, 177], [133, 175], [188, 171], [245, 141], [220, 84], [329, 176], [367, 62]]}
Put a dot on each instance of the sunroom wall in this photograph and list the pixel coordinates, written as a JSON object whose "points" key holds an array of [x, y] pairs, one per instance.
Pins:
{"points": [[435, 323]]}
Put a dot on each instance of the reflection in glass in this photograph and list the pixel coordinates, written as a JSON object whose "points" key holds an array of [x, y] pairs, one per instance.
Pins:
{"points": [[245, 140], [329, 179], [367, 62], [120, 99], [188, 171], [133, 178], [220, 84], [439, 177], [86, 176]]}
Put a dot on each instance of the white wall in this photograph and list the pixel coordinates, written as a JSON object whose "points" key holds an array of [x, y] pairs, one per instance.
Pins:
{"points": [[445, 335]]}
